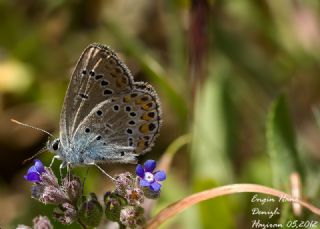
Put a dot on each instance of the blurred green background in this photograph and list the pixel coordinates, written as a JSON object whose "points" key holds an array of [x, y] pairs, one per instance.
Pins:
{"points": [[238, 79]]}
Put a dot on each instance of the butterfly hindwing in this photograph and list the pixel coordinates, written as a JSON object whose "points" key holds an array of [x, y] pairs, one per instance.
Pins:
{"points": [[120, 128], [144, 116]]}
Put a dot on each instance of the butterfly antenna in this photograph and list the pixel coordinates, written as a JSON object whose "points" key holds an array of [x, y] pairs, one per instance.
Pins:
{"points": [[104, 172], [32, 127], [35, 155]]}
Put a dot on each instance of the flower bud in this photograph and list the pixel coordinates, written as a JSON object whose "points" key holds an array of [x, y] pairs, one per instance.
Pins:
{"points": [[91, 211], [134, 196], [113, 203], [53, 195], [123, 182], [42, 222], [48, 178], [73, 187], [132, 216], [65, 213]]}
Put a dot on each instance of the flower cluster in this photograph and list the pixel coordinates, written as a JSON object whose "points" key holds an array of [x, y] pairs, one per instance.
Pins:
{"points": [[47, 190], [122, 205]]}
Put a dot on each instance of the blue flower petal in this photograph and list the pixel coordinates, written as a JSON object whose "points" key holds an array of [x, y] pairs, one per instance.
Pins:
{"points": [[32, 169], [155, 186], [39, 166], [149, 165], [160, 176], [140, 171], [144, 183], [33, 177], [34, 172]]}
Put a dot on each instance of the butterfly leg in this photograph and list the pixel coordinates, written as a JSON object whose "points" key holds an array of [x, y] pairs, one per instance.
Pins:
{"points": [[53, 159], [62, 165], [104, 172], [69, 171]]}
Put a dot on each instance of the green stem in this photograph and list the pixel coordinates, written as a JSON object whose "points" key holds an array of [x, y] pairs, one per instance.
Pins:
{"points": [[82, 224], [168, 155]]}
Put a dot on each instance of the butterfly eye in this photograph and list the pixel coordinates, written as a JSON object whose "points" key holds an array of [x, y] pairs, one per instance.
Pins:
{"points": [[55, 145]]}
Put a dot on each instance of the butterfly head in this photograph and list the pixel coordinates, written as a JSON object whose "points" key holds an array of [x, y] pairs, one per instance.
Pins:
{"points": [[55, 146]]}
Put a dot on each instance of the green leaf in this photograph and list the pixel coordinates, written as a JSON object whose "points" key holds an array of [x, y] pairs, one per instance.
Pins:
{"points": [[211, 146], [281, 144], [212, 138]]}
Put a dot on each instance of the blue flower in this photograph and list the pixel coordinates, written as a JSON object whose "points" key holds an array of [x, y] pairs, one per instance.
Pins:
{"points": [[148, 177], [35, 171]]}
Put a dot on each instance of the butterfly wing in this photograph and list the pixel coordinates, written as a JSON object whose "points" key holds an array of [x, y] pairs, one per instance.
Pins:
{"points": [[121, 127], [106, 115], [98, 75]]}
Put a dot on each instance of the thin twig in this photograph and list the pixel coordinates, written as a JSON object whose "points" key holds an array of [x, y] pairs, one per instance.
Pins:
{"points": [[182, 204]]}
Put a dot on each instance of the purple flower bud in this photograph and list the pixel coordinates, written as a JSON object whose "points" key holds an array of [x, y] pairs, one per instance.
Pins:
{"points": [[132, 216], [123, 182], [65, 213], [42, 222], [49, 179], [73, 187], [53, 195], [47, 190]]}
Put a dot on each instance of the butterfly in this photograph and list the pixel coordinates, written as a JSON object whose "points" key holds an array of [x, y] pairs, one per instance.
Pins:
{"points": [[106, 115]]}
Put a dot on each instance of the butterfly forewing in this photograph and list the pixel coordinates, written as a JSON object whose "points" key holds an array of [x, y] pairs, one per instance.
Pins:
{"points": [[99, 75]]}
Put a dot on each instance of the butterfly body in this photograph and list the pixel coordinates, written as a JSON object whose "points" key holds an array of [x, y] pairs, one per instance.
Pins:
{"points": [[82, 155], [106, 116]]}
